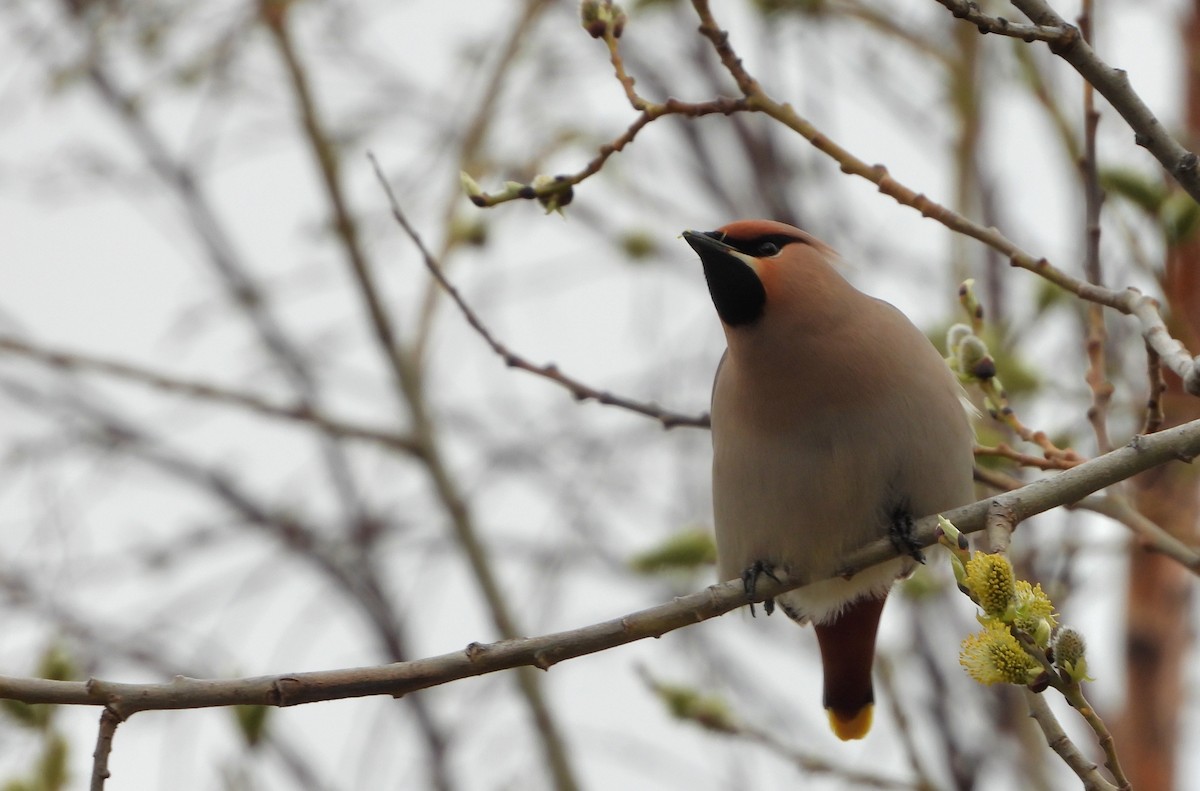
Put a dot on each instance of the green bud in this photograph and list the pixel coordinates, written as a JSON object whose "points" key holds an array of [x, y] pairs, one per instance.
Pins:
{"points": [[1179, 215], [638, 245], [952, 539], [955, 336], [1069, 654], [705, 710], [473, 232], [252, 722], [470, 185], [1043, 632], [974, 359], [600, 16], [551, 197], [686, 550], [1144, 189]]}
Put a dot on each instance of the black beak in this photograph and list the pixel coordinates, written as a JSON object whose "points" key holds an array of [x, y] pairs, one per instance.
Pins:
{"points": [[706, 243], [734, 286]]}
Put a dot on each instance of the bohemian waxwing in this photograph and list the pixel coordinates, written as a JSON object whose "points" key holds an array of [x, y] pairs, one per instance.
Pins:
{"points": [[835, 422]]}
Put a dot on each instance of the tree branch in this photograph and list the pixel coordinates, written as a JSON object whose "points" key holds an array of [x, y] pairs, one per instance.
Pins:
{"points": [[969, 10], [1113, 84], [1060, 743], [1181, 442], [578, 389], [104, 741], [302, 412]]}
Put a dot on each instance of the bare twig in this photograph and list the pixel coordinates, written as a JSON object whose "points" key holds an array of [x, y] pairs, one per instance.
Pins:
{"points": [[561, 183], [1129, 301], [1059, 742], [1158, 386], [579, 390], [812, 763], [969, 10], [109, 720], [1093, 196], [996, 480], [242, 288], [300, 413], [1006, 451], [1073, 693], [712, 714], [1149, 534], [470, 145], [904, 728], [1113, 84], [407, 378]]}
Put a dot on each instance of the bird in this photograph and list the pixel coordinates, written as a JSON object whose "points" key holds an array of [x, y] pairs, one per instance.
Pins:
{"points": [[835, 422]]}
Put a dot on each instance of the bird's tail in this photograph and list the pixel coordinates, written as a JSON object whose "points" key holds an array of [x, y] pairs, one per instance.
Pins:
{"points": [[847, 653]]}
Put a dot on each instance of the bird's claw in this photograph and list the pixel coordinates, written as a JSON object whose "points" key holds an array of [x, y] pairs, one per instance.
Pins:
{"points": [[750, 575], [903, 538]]}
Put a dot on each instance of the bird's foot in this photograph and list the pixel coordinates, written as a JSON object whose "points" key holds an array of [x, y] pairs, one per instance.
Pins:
{"points": [[750, 575], [902, 533]]}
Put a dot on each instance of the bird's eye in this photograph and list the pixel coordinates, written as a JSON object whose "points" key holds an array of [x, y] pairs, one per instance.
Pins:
{"points": [[767, 249]]}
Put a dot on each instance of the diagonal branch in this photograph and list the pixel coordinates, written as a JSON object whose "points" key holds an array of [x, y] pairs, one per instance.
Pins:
{"points": [[578, 389], [1060, 743], [1113, 84], [1066, 41]]}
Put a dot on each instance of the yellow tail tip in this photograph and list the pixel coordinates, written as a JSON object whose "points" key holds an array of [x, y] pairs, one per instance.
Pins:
{"points": [[852, 727]]}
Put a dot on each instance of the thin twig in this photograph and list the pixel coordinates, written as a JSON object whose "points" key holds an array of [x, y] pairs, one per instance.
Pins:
{"points": [[560, 183], [1113, 84], [1006, 451], [470, 143], [1073, 693], [1059, 742], [1051, 105], [996, 480], [406, 374], [301, 413], [815, 764], [409, 389], [1152, 537], [104, 743], [578, 389], [241, 287], [968, 10], [885, 669], [1158, 386], [713, 715], [1093, 196]]}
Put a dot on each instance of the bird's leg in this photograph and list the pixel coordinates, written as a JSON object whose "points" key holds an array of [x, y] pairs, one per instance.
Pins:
{"points": [[750, 577], [901, 531]]}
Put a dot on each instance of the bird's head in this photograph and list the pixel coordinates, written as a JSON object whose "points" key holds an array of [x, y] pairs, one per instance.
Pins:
{"points": [[756, 268]]}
